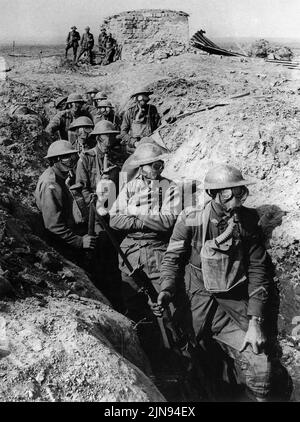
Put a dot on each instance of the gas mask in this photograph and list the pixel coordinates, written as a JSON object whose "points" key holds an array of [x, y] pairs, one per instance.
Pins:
{"points": [[67, 163], [152, 171], [232, 198]]}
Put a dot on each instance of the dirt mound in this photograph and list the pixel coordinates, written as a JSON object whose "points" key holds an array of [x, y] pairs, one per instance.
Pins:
{"points": [[264, 49], [157, 50]]}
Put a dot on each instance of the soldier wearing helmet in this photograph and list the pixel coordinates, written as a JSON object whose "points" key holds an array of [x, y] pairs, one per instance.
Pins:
{"points": [[95, 168], [140, 120], [61, 103], [73, 39], [82, 126], [221, 251], [102, 40], [105, 111], [100, 96], [55, 202], [86, 45], [106, 153], [90, 94], [145, 211], [61, 122]]}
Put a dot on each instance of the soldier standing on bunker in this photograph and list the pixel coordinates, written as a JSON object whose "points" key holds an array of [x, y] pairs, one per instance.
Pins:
{"points": [[110, 50], [145, 212], [99, 164], [73, 42], [226, 275], [61, 121], [102, 40], [86, 45], [83, 126], [55, 203], [140, 120]]}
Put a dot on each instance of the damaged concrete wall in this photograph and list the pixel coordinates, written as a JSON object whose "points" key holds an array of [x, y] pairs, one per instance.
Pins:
{"points": [[144, 31]]}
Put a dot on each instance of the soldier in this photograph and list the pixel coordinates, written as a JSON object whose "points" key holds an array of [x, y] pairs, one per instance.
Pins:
{"points": [[90, 168], [86, 45], [140, 120], [226, 275], [105, 111], [95, 166], [102, 40], [83, 126], [55, 202], [100, 96], [73, 42], [61, 121], [91, 93], [145, 212], [61, 103], [110, 49]]}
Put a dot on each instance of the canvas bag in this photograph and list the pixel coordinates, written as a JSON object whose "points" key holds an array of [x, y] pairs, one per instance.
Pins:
{"points": [[222, 267]]}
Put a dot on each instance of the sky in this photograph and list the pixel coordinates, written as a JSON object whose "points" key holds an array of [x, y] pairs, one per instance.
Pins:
{"points": [[48, 21]]}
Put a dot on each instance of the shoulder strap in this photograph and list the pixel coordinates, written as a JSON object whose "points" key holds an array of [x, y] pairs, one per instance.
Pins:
{"points": [[98, 169], [205, 220]]}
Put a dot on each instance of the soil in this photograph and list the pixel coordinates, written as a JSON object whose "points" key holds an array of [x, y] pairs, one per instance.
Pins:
{"points": [[259, 133]]}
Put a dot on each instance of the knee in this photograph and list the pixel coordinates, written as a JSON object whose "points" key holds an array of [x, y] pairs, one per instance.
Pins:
{"points": [[258, 374]]}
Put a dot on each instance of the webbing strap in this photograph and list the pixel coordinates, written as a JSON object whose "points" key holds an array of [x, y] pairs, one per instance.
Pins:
{"points": [[205, 220]]}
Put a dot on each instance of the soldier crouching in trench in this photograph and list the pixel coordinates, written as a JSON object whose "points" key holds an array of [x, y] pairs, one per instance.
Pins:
{"points": [[219, 249]]}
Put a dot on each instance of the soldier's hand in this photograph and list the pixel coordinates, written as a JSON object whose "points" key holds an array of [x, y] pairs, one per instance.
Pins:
{"points": [[163, 300], [89, 242], [255, 337]]}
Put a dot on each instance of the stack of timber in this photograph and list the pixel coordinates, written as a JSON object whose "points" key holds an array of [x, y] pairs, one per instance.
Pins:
{"points": [[287, 63], [200, 42]]}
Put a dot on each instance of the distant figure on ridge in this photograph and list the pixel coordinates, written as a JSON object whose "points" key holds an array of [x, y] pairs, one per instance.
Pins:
{"points": [[73, 42]]}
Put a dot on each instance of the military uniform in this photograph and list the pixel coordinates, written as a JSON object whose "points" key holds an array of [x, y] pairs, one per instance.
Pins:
{"points": [[112, 117], [61, 122], [223, 316], [87, 45], [105, 270], [110, 49], [73, 42], [145, 212], [55, 203], [102, 41], [90, 169], [132, 131]]}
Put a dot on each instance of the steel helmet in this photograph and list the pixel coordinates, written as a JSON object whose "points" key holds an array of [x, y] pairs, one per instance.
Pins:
{"points": [[87, 27], [75, 98], [92, 90], [82, 121], [100, 96], [73, 27], [60, 147], [147, 153], [104, 127], [105, 103], [60, 100], [224, 176], [141, 92]]}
